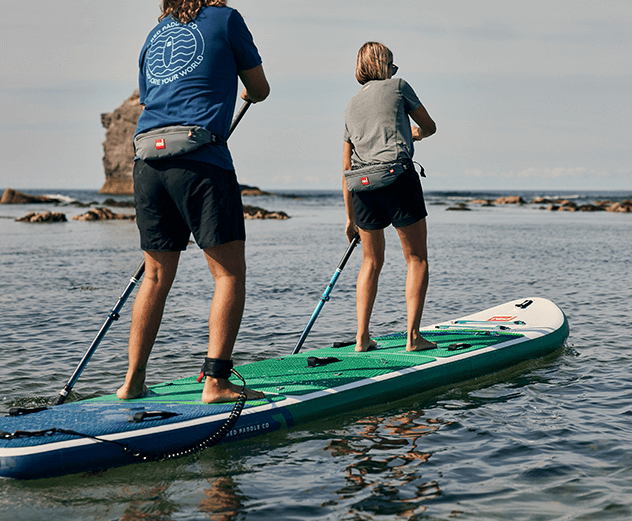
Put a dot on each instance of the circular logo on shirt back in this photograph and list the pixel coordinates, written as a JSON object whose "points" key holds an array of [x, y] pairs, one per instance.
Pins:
{"points": [[175, 50]]}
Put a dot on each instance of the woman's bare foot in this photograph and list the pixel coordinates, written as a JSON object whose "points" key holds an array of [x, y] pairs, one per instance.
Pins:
{"points": [[365, 346], [220, 390], [420, 344], [128, 393]]}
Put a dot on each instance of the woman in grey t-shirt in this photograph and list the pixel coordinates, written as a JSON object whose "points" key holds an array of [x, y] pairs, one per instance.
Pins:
{"points": [[378, 130]]}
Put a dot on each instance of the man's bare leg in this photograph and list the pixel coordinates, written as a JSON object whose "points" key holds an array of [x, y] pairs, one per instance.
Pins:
{"points": [[413, 239], [228, 267], [160, 270]]}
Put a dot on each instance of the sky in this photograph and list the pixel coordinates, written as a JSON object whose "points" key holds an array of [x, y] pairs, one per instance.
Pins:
{"points": [[526, 95]]}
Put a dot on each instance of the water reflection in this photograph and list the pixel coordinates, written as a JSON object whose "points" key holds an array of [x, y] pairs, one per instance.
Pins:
{"points": [[386, 475], [223, 502]]}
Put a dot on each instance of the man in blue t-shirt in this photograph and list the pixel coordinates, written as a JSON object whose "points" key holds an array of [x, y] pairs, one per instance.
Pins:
{"points": [[189, 70]]}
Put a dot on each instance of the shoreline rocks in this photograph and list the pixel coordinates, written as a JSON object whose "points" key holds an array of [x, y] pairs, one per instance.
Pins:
{"points": [[11, 196], [102, 214], [44, 217], [254, 212]]}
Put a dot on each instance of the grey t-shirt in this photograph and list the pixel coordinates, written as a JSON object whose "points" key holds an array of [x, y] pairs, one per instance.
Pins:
{"points": [[377, 124]]}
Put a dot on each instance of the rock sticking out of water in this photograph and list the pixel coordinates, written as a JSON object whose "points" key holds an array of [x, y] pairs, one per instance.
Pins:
{"points": [[252, 190], [11, 196], [599, 206], [512, 199], [44, 217], [102, 214], [254, 212], [458, 207]]}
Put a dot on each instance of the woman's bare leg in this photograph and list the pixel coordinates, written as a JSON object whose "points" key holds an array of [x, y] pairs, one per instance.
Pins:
{"points": [[413, 239], [373, 245]]}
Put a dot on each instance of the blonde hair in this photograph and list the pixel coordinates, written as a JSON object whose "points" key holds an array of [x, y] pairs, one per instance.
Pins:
{"points": [[186, 10], [374, 60]]}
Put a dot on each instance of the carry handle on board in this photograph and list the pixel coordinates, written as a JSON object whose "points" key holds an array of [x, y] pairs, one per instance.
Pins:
{"points": [[114, 314], [325, 296]]}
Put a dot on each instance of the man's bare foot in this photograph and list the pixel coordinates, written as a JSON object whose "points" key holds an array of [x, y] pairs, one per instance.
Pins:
{"points": [[127, 393], [221, 390], [361, 346], [421, 344]]}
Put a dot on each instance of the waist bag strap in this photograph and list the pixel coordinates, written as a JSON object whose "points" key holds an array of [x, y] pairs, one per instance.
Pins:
{"points": [[172, 141]]}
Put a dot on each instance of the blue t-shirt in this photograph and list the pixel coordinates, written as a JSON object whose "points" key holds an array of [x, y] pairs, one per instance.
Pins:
{"points": [[188, 76]]}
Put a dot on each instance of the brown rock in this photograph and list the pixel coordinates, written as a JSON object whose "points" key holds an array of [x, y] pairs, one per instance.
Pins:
{"points": [[254, 212], [512, 199], [624, 207], [484, 202], [252, 190], [459, 207], [45, 217], [102, 214], [118, 147], [590, 208], [541, 200], [118, 204], [11, 196]]}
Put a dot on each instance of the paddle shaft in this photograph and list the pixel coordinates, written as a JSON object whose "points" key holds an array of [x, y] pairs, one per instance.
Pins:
{"points": [[325, 296], [114, 313]]}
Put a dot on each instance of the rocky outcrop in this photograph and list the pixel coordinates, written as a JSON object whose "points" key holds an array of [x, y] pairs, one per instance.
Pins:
{"points": [[252, 190], [624, 207], [44, 217], [512, 199], [102, 214], [11, 196], [599, 206], [458, 207], [254, 212], [118, 204], [483, 202], [118, 147]]}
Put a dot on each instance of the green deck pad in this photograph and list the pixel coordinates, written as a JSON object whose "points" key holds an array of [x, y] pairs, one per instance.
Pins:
{"points": [[443, 338], [185, 391], [290, 375]]}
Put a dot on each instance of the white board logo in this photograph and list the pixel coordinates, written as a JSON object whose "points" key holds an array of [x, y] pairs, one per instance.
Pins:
{"points": [[174, 52]]}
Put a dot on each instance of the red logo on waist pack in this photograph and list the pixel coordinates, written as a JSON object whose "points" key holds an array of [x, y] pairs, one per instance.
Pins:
{"points": [[501, 319], [364, 180], [160, 144]]}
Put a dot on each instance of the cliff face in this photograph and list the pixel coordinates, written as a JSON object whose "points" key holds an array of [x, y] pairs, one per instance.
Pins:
{"points": [[118, 147]]}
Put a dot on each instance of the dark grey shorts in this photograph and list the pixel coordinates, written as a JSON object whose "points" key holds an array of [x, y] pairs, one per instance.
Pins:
{"points": [[400, 204], [176, 197]]}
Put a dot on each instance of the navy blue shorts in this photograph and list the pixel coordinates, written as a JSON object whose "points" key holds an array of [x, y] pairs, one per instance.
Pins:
{"points": [[176, 197], [400, 203]]}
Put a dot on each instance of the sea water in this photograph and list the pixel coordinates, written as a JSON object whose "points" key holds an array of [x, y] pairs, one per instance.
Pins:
{"points": [[549, 439]]}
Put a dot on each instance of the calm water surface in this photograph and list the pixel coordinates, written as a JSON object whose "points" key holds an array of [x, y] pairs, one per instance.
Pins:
{"points": [[550, 439]]}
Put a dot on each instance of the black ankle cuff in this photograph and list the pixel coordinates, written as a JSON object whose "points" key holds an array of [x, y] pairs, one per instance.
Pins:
{"points": [[216, 368]]}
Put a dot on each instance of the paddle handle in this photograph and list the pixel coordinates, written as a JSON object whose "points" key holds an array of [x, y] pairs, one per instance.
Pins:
{"points": [[240, 114], [325, 296]]}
